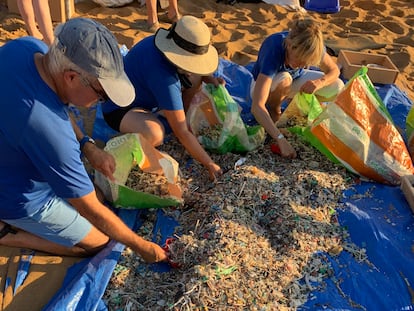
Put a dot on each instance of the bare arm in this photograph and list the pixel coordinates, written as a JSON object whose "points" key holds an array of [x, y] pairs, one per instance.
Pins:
{"points": [[78, 132], [98, 158], [331, 74], [111, 225], [177, 121], [262, 116]]}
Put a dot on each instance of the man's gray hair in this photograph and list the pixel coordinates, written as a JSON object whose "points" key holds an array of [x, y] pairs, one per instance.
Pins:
{"points": [[59, 63]]}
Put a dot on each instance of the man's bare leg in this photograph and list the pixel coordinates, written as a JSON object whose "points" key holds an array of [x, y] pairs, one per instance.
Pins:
{"points": [[90, 245]]}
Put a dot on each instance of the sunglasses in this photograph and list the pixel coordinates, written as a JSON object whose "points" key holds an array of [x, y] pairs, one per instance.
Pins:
{"points": [[101, 94]]}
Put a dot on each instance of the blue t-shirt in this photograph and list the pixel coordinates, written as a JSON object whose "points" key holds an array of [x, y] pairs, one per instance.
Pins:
{"points": [[156, 82], [271, 58], [39, 153]]}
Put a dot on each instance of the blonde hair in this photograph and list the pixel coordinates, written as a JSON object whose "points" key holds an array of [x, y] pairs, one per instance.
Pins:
{"points": [[305, 40]]}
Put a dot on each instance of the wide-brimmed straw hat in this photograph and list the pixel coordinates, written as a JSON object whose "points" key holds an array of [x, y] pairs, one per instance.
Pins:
{"points": [[187, 45]]}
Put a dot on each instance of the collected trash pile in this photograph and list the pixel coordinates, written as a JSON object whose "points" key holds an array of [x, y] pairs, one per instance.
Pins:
{"points": [[141, 181], [259, 237], [255, 239]]}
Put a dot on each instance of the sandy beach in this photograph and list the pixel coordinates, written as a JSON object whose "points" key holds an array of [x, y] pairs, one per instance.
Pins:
{"points": [[373, 26]]}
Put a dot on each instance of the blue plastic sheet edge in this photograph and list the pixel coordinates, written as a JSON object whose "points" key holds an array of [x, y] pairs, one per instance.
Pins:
{"points": [[86, 281], [379, 220]]}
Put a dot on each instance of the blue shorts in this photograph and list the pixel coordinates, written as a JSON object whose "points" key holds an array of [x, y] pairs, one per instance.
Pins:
{"points": [[57, 221]]}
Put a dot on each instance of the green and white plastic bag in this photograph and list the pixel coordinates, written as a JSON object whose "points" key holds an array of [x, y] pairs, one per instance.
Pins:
{"points": [[214, 108], [131, 150]]}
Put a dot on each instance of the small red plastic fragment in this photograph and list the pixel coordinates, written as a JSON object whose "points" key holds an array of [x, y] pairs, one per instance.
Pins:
{"points": [[275, 148]]}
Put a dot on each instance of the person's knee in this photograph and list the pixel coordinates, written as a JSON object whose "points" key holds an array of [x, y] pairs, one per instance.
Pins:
{"points": [[154, 135], [157, 137], [93, 242], [144, 123], [279, 93], [282, 82], [5, 229], [283, 87], [329, 93]]}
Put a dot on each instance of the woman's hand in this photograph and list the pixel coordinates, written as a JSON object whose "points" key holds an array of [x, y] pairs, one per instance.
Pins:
{"points": [[286, 150], [311, 86], [214, 171], [214, 80]]}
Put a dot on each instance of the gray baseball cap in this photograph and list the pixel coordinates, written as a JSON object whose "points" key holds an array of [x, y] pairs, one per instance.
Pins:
{"points": [[92, 47]]}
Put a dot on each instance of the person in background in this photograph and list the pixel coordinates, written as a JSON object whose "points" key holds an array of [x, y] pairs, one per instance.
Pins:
{"points": [[47, 200], [172, 14], [167, 70], [281, 70], [36, 13]]}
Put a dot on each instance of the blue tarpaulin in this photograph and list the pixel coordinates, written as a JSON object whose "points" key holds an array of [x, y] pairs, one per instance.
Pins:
{"points": [[382, 223]]}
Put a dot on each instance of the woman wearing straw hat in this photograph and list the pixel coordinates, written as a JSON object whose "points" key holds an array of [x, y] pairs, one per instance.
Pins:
{"points": [[166, 70]]}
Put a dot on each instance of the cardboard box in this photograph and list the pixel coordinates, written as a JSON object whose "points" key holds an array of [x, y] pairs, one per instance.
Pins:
{"points": [[60, 10], [380, 67], [407, 187]]}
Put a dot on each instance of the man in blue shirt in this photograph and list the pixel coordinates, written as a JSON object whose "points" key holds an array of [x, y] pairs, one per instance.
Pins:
{"points": [[47, 200]]}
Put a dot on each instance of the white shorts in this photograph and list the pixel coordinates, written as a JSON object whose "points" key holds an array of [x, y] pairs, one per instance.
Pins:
{"points": [[328, 91]]}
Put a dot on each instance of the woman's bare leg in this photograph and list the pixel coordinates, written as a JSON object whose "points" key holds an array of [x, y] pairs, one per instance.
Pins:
{"points": [[28, 15], [145, 123], [44, 20], [152, 16], [173, 13], [276, 98]]}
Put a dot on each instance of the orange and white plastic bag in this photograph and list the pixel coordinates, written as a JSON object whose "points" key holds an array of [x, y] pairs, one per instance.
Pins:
{"points": [[360, 133]]}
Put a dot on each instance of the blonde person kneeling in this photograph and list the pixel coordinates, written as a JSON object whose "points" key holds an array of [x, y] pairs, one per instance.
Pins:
{"points": [[281, 71]]}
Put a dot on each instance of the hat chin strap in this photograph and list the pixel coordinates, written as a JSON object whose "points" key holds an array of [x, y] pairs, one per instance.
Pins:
{"points": [[186, 45]]}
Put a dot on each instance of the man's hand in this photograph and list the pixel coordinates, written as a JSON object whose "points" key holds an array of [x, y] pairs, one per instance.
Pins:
{"points": [[152, 252], [100, 160]]}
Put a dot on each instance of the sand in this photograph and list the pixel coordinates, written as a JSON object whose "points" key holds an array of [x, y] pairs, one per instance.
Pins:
{"points": [[374, 26]]}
